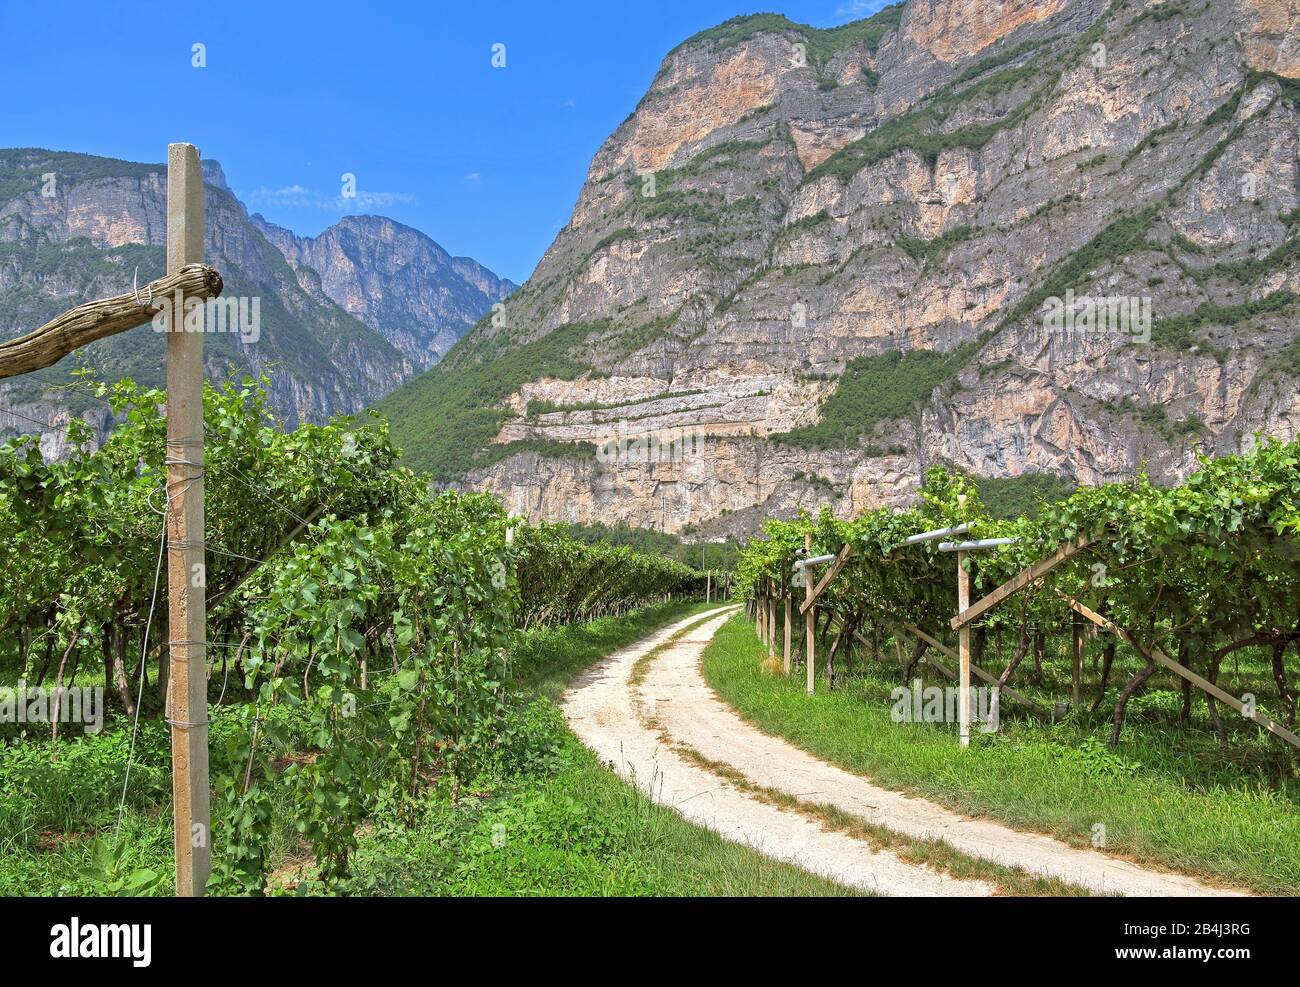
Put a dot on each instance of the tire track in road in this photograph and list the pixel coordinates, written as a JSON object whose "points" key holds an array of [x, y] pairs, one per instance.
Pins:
{"points": [[601, 709]]}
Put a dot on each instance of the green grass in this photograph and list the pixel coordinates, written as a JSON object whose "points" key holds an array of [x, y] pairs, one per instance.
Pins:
{"points": [[545, 660], [580, 831], [1169, 795], [574, 828]]}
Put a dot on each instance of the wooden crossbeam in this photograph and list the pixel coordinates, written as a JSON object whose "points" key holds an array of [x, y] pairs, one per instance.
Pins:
{"points": [[831, 572], [86, 323], [1159, 657], [1018, 582], [978, 672]]}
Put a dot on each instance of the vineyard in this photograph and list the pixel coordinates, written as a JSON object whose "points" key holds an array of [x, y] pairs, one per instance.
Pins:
{"points": [[361, 631], [1208, 571], [1093, 737], [369, 636]]}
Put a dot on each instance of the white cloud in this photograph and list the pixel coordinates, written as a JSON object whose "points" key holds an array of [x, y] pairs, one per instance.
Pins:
{"points": [[474, 177], [302, 197], [855, 10], [381, 199], [288, 195]]}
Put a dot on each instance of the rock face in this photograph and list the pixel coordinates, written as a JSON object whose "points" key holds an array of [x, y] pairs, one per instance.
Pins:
{"points": [[394, 279], [1273, 36], [952, 30], [75, 227], [788, 210]]}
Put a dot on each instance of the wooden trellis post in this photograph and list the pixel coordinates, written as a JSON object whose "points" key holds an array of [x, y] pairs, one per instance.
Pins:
{"points": [[963, 652], [963, 621], [789, 599], [186, 651], [771, 618], [187, 616], [1078, 646], [809, 614]]}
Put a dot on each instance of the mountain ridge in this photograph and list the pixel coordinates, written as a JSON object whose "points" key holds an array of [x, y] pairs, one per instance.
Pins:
{"points": [[394, 278], [104, 220]]}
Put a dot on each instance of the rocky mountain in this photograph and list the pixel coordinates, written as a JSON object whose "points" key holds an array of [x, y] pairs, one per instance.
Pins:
{"points": [[1025, 239], [75, 227], [394, 279]]}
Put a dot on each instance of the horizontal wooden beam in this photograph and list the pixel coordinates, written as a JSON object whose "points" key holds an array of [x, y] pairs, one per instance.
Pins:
{"points": [[86, 323], [979, 673], [827, 576], [1018, 582], [1205, 685]]}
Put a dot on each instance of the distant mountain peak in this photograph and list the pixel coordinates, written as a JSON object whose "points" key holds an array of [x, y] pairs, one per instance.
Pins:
{"points": [[75, 226], [395, 279], [213, 174]]}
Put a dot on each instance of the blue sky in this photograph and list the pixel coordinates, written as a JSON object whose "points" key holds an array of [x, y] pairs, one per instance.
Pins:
{"points": [[402, 95]]}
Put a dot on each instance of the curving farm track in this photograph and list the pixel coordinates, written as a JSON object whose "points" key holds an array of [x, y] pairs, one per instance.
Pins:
{"points": [[657, 723]]}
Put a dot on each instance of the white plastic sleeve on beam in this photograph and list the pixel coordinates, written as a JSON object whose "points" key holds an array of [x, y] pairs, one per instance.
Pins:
{"points": [[802, 563], [971, 546], [959, 529]]}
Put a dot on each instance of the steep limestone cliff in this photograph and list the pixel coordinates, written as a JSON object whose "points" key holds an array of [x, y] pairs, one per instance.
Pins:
{"points": [[832, 256]]}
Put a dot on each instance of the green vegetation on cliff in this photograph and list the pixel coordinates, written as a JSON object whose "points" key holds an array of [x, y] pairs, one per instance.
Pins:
{"points": [[876, 389], [823, 43], [444, 420]]}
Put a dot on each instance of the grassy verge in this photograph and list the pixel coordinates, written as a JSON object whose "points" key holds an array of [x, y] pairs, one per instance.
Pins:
{"points": [[578, 830], [1161, 800], [566, 824], [546, 660]]}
